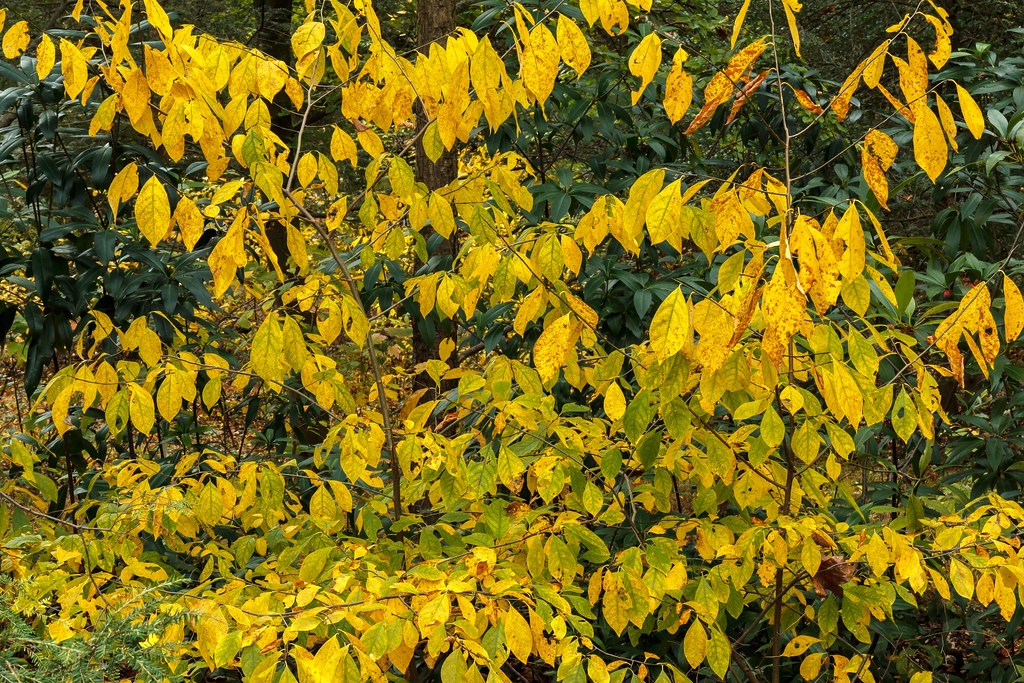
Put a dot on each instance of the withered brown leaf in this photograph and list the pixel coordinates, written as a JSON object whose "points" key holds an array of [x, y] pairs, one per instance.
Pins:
{"points": [[833, 572]]}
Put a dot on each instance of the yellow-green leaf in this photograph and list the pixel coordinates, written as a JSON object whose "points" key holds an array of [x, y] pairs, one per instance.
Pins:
{"points": [[518, 636], [614, 402], [210, 504], [695, 644], [267, 352], [962, 578], [226, 649]]}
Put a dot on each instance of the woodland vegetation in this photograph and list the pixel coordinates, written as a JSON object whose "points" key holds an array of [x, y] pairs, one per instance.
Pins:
{"points": [[563, 340]]}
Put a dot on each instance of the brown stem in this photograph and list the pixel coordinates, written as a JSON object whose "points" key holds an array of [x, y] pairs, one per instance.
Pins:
{"points": [[385, 411]]}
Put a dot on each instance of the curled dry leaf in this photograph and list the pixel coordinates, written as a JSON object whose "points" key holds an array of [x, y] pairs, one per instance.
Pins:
{"points": [[833, 572]]}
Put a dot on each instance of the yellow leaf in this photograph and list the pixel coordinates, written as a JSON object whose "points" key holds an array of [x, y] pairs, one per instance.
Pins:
{"points": [[572, 45], [792, 7], [140, 408], [913, 74], [76, 13], [877, 156], [518, 636], [962, 578], [370, 141], [943, 46], [75, 68], [45, 56], [930, 150], [225, 257], [921, 677], [798, 646], [724, 83], [439, 211], [738, 23], [190, 221], [433, 613], [123, 186], [16, 40], [695, 644], [671, 326], [946, 118], [644, 62], [874, 64], [811, 666], [678, 88], [540, 63], [1014, 310], [486, 68], [614, 402], [306, 170], [268, 352], [971, 112], [271, 76], [158, 18], [783, 307], [307, 39], [848, 394], [552, 347], [614, 15], [806, 102], [153, 211], [662, 215], [841, 102], [135, 95]]}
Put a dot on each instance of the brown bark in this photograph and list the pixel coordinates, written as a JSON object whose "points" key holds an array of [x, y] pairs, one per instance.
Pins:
{"points": [[435, 20], [273, 37]]}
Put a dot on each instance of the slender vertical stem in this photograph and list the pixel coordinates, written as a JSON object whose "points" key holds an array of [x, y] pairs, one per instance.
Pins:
{"points": [[780, 589], [385, 411]]}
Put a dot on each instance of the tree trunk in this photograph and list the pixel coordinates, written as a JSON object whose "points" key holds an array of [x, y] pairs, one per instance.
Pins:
{"points": [[273, 37], [435, 20]]}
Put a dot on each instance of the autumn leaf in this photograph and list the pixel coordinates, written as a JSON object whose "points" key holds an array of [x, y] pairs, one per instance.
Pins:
{"points": [[572, 45], [833, 572], [671, 325], [929, 142], [644, 62], [540, 63], [153, 210], [552, 347]]}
